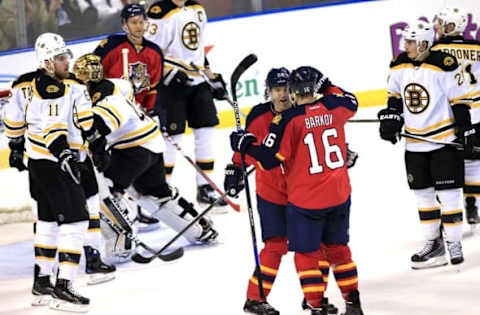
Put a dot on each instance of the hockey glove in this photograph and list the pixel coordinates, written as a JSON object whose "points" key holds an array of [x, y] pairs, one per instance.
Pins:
{"points": [[176, 77], [241, 140], [15, 158], [69, 164], [352, 157], [391, 123], [233, 183], [97, 144], [218, 87], [465, 132], [466, 136]]}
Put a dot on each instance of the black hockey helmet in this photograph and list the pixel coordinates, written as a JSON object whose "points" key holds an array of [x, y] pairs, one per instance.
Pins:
{"points": [[131, 10], [277, 77], [305, 80]]}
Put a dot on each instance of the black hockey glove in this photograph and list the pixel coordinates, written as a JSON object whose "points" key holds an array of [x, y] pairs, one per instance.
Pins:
{"points": [[15, 158], [391, 123], [218, 87], [466, 133], [69, 164], [352, 157], [241, 140], [100, 156], [176, 77], [233, 183]]}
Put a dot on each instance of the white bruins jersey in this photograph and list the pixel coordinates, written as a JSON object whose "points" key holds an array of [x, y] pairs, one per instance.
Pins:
{"points": [[129, 125], [56, 109], [180, 34], [428, 91], [15, 108], [467, 53]]}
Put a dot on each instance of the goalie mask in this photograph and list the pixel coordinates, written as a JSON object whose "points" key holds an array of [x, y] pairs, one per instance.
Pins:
{"points": [[452, 15], [88, 68]]}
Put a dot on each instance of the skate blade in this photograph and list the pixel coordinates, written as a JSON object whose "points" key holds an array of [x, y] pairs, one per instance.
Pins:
{"points": [[41, 300], [98, 278], [142, 227], [431, 263], [60, 305]]}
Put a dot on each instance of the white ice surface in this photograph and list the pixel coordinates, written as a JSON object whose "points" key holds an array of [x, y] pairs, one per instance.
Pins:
{"points": [[212, 280]]}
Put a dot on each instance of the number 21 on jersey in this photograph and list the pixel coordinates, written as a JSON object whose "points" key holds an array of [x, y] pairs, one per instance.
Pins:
{"points": [[329, 149]]}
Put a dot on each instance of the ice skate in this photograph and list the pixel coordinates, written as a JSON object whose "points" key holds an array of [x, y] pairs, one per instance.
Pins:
{"points": [[96, 269], [331, 309], [471, 212], [455, 251], [66, 299], [353, 304], [209, 235], [42, 289], [206, 194], [432, 255], [259, 307], [321, 310], [145, 222]]}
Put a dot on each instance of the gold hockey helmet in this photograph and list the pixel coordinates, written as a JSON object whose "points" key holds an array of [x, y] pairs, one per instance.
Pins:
{"points": [[88, 68]]}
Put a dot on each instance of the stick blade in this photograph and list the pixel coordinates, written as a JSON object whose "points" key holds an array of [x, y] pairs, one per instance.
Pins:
{"points": [[174, 255], [242, 66]]}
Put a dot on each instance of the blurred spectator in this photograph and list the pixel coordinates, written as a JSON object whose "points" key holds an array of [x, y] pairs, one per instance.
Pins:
{"points": [[40, 16], [75, 22]]}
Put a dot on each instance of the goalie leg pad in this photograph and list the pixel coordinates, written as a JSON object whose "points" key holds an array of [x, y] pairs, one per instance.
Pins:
{"points": [[177, 213]]}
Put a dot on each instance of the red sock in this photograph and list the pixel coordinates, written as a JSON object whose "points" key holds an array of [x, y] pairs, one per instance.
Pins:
{"points": [[310, 275], [270, 258]]}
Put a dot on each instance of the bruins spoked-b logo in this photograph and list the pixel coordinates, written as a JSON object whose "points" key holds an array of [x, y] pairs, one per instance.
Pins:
{"points": [[191, 36], [417, 98]]}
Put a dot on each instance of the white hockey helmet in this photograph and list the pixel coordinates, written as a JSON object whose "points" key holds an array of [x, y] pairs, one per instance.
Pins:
{"points": [[49, 45], [453, 15], [419, 31]]}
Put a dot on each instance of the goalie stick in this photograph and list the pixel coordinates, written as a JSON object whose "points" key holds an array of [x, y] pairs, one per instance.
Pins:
{"points": [[232, 204], [145, 260], [237, 73], [119, 217]]}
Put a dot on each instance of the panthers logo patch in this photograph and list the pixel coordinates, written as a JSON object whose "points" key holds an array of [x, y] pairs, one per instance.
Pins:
{"points": [[139, 76], [276, 120]]}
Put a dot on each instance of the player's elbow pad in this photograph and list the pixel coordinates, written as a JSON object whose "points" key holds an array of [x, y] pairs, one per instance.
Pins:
{"points": [[265, 157]]}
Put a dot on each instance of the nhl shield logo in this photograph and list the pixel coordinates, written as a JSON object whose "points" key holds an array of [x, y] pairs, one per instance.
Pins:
{"points": [[139, 76]]}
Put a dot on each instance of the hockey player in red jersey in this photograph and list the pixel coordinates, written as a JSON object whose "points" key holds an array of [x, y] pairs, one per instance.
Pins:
{"points": [[271, 192], [308, 140], [145, 59]]}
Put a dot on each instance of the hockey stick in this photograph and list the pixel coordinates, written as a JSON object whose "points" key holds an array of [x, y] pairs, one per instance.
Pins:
{"points": [[120, 229], [232, 204], [207, 79], [453, 144], [363, 120], [239, 70], [134, 238], [145, 260], [125, 75]]}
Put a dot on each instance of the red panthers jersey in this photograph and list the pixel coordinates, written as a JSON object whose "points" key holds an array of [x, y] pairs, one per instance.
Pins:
{"points": [[270, 185], [310, 142], [145, 65]]}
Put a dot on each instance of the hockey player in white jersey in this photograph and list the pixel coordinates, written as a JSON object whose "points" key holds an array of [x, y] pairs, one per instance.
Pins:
{"points": [[178, 27], [428, 93], [451, 23], [52, 146], [127, 147], [16, 130]]}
